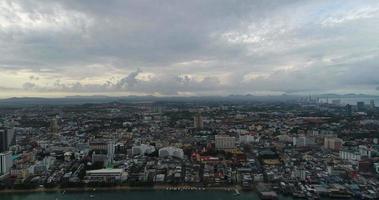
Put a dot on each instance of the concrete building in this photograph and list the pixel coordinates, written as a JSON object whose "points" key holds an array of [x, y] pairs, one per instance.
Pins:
{"points": [[6, 162], [68, 156], [376, 167], [225, 142], [360, 106], [372, 104], [348, 109], [285, 138], [171, 152], [7, 138], [245, 139], [142, 149], [110, 151], [106, 175], [43, 166], [299, 173], [99, 158], [364, 151], [98, 145], [350, 155], [336, 102], [198, 121], [54, 126], [333, 143], [303, 141]]}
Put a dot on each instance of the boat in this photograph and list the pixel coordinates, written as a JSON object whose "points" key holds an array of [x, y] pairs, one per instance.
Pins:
{"points": [[236, 192], [91, 196]]}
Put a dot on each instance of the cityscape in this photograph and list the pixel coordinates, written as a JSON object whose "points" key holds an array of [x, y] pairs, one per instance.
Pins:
{"points": [[302, 148], [189, 99]]}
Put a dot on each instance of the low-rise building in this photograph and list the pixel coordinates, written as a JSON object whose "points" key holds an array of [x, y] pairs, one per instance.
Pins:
{"points": [[106, 175], [172, 152], [225, 142], [333, 143]]}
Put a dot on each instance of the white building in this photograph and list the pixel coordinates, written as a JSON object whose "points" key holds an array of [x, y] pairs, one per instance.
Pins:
{"points": [[142, 149], [172, 152], [245, 139], [225, 142], [350, 155], [110, 151], [299, 173], [355, 154], [303, 141], [365, 151], [6, 162], [67, 156], [376, 167]]}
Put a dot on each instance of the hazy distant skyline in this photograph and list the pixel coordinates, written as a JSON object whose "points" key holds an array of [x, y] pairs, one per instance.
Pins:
{"points": [[200, 47]]}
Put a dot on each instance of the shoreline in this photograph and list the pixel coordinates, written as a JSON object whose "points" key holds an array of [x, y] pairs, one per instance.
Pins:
{"points": [[122, 188]]}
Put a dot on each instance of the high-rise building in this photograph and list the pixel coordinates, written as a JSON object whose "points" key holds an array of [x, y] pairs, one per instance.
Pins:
{"points": [[336, 102], [225, 142], [198, 121], [348, 110], [360, 105], [3, 140], [6, 162], [7, 138], [372, 104], [54, 127], [110, 151]]}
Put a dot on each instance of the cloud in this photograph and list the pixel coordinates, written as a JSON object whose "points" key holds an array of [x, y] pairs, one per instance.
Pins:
{"points": [[34, 78], [189, 47], [161, 85], [28, 86], [129, 81], [352, 14]]}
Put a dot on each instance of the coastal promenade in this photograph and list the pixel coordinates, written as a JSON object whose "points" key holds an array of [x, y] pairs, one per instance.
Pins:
{"points": [[123, 188]]}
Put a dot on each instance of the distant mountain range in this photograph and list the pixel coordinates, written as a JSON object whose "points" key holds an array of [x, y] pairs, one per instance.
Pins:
{"points": [[346, 96], [24, 101]]}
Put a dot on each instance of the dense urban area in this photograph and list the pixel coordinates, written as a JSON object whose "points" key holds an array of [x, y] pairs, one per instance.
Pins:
{"points": [[305, 148]]}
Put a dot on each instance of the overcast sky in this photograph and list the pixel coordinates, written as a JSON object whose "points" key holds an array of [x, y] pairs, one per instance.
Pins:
{"points": [[196, 47]]}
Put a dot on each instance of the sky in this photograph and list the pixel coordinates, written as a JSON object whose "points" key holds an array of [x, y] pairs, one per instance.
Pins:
{"points": [[188, 48]]}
